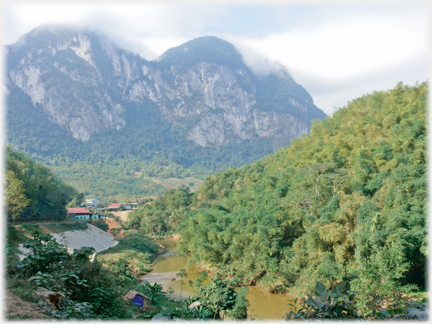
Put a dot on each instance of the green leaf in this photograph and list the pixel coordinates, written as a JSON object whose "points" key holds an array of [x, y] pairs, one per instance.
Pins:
{"points": [[341, 287], [350, 277], [315, 302], [384, 312], [321, 291]]}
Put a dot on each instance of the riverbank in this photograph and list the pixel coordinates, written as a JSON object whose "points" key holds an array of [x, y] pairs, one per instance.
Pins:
{"points": [[263, 304], [134, 249]]}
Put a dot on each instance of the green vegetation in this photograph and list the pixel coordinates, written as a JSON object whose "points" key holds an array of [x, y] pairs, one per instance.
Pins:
{"points": [[70, 225], [107, 164], [87, 286], [339, 302], [33, 193], [101, 224], [133, 241], [347, 198], [162, 217], [133, 254], [94, 291], [221, 298], [120, 164]]}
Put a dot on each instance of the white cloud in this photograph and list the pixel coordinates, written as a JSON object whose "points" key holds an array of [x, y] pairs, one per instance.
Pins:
{"points": [[336, 52], [348, 48]]}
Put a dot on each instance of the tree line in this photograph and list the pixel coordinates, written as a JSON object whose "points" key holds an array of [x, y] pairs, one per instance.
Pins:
{"points": [[350, 197]]}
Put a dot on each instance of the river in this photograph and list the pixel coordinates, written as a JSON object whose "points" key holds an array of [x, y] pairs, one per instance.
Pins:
{"points": [[263, 305]]}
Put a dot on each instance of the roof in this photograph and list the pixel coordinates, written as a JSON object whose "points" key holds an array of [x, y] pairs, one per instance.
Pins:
{"points": [[78, 210], [116, 205], [131, 295]]}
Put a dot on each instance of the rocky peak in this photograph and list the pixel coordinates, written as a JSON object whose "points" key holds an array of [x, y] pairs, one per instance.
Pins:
{"points": [[84, 82]]}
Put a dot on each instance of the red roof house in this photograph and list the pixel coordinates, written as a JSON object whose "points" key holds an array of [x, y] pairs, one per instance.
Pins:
{"points": [[116, 205], [78, 211]]}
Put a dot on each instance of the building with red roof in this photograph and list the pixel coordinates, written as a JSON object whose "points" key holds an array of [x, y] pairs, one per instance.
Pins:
{"points": [[78, 211]]}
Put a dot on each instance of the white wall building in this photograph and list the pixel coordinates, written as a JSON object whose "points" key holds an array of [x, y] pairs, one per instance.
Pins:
{"points": [[92, 202]]}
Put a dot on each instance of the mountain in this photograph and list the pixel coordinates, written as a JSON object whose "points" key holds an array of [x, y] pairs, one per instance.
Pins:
{"points": [[72, 95]]}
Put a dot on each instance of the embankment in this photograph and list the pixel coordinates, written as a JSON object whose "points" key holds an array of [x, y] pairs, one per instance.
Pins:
{"points": [[90, 237]]}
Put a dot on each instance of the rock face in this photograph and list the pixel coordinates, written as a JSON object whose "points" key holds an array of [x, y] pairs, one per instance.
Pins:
{"points": [[84, 83]]}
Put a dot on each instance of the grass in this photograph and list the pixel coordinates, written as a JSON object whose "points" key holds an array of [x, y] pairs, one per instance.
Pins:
{"points": [[70, 225], [170, 183], [15, 236], [28, 229], [22, 288], [134, 241], [134, 247], [139, 263]]}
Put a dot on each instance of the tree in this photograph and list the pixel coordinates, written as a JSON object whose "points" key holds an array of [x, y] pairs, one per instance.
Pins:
{"points": [[16, 199], [337, 177], [220, 296], [316, 171]]}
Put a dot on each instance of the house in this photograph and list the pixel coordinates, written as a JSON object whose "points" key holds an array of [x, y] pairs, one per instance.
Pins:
{"points": [[80, 213], [113, 207], [137, 298], [97, 216], [92, 202]]}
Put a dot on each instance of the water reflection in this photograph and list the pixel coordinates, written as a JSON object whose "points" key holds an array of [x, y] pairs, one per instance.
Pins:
{"points": [[263, 305]]}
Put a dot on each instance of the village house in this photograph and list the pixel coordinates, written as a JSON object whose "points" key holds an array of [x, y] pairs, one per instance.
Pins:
{"points": [[81, 213], [114, 207], [92, 202]]}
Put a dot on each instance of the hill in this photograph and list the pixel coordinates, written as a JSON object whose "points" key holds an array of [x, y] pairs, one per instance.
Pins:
{"points": [[100, 115], [349, 197]]}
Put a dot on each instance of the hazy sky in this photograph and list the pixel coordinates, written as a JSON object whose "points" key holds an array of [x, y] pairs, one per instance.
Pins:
{"points": [[336, 52]]}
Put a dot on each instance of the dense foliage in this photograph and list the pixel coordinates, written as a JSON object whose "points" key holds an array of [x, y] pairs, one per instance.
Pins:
{"points": [[347, 198], [221, 297], [89, 289], [339, 302], [95, 290], [33, 192], [123, 162], [162, 216]]}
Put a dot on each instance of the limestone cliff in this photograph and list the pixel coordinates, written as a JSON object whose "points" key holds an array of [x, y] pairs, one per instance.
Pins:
{"points": [[84, 83]]}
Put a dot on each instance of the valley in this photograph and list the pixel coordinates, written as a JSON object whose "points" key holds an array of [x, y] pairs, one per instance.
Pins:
{"points": [[194, 111], [255, 183]]}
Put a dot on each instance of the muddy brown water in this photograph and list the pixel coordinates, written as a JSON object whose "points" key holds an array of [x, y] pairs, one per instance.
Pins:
{"points": [[263, 305]]}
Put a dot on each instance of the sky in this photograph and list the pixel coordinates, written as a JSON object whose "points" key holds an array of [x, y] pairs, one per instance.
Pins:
{"points": [[336, 51]]}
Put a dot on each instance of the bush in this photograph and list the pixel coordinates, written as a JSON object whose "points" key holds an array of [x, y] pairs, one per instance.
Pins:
{"points": [[90, 289], [339, 302], [101, 224]]}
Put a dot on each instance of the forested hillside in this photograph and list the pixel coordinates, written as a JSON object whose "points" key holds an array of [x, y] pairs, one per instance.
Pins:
{"points": [[350, 197], [32, 192]]}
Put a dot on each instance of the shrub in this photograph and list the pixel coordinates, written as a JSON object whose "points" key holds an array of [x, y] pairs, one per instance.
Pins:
{"points": [[339, 302]]}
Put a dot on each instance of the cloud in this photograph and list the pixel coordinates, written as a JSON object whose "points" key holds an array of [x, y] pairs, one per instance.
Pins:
{"points": [[331, 94], [347, 48], [334, 51], [257, 62]]}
